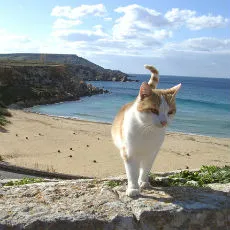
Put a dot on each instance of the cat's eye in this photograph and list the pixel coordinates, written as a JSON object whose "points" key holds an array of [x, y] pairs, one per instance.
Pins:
{"points": [[155, 111], [170, 112]]}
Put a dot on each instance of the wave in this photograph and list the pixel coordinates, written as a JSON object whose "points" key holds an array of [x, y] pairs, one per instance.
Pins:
{"points": [[90, 116], [204, 103]]}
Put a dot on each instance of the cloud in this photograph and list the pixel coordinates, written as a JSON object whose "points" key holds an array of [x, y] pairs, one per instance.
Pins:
{"points": [[81, 35], [206, 21], [136, 18], [74, 15], [79, 12], [178, 17], [63, 23], [137, 31], [188, 18], [202, 44], [134, 36], [209, 44]]}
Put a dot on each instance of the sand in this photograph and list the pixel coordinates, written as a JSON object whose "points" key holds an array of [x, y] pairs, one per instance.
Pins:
{"points": [[86, 148]]}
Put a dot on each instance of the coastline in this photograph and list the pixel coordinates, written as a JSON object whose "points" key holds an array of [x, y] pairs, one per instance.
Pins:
{"points": [[33, 141], [65, 117], [110, 123]]}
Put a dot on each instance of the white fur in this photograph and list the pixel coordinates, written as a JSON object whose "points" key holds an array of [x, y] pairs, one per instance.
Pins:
{"points": [[143, 136]]}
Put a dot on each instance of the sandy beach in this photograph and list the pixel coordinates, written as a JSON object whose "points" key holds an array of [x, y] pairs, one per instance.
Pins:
{"points": [[86, 148]]}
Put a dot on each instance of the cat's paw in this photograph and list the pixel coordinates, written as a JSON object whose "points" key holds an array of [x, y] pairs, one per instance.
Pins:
{"points": [[132, 192], [145, 185]]}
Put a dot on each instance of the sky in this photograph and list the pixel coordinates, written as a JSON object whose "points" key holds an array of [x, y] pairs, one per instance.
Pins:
{"points": [[179, 37]]}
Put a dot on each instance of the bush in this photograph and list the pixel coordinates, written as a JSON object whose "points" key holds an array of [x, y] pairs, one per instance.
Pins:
{"points": [[3, 121], [3, 114]]}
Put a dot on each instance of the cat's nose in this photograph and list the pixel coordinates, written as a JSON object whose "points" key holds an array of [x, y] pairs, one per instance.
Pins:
{"points": [[164, 123]]}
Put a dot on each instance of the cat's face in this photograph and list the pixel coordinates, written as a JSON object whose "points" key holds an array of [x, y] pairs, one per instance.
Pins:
{"points": [[157, 106]]}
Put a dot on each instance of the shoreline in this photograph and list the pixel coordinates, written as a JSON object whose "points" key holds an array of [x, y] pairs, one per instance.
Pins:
{"points": [[66, 117], [85, 148], [110, 123]]}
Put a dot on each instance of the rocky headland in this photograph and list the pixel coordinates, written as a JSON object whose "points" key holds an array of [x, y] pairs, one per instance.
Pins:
{"points": [[32, 79]]}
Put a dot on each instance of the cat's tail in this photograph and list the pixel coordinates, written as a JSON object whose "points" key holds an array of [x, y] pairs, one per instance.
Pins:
{"points": [[154, 79]]}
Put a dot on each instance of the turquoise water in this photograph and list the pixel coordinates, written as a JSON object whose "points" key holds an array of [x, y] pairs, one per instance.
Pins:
{"points": [[203, 104]]}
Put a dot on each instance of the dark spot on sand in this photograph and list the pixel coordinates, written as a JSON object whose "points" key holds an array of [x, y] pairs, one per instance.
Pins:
{"points": [[70, 148], [188, 154], [191, 139], [27, 138], [94, 161], [59, 150], [187, 167], [70, 156], [98, 138], [40, 134], [87, 145], [16, 135]]}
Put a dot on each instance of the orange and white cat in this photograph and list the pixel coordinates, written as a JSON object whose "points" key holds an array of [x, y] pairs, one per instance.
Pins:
{"points": [[138, 130]]}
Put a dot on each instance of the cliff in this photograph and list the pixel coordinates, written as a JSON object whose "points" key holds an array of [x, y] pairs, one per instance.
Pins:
{"points": [[30, 84]]}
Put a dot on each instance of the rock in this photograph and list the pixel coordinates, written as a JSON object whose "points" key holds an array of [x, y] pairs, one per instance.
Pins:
{"points": [[92, 204], [124, 79]]}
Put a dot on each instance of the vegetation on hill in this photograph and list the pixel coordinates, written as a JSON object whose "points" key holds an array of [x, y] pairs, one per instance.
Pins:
{"points": [[86, 69]]}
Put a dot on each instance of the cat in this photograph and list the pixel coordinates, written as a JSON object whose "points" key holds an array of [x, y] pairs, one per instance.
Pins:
{"points": [[138, 130]]}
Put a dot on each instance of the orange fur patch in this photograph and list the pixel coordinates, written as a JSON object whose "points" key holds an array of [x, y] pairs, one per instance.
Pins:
{"points": [[117, 127]]}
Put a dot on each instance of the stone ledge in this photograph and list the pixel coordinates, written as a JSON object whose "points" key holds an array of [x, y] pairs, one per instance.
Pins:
{"points": [[5, 166], [91, 204]]}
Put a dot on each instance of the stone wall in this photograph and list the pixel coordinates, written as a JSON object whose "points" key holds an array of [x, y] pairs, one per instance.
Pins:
{"points": [[102, 204]]}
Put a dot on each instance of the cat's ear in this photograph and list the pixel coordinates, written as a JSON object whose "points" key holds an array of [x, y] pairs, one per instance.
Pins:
{"points": [[145, 90], [174, 90]]}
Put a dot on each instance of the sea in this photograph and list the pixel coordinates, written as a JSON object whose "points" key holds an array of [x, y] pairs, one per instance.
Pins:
{"points": [[203, 104]]}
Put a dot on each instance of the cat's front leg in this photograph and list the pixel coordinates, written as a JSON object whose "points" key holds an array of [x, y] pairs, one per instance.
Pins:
{"points": [[132, 165], [145, 167]]}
